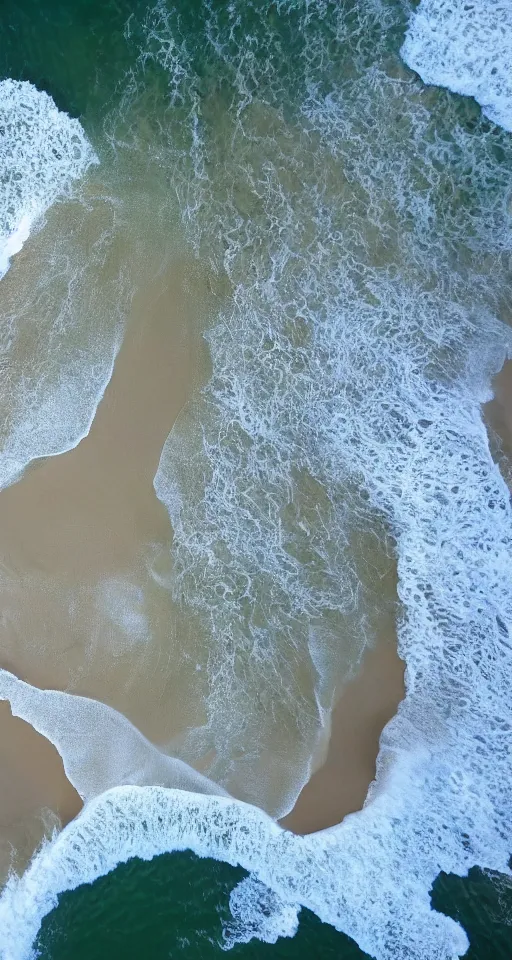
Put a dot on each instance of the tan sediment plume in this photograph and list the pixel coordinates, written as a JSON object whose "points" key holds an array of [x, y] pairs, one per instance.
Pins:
{"points": [[71, 522], [79, 531], [366, 704], [87, 511]]}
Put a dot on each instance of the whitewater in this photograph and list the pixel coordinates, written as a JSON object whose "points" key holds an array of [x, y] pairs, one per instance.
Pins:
{"points": [[357, 348], [47, 403]]}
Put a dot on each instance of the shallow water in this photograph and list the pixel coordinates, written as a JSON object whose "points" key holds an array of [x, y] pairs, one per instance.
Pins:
{"points": [[271, 176]]}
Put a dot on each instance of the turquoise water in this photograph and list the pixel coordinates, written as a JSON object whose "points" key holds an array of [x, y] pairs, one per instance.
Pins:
{"points": [[178, 906], [357, 225]]}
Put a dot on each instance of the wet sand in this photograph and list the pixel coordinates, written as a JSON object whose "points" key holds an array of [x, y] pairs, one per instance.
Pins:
{"points": [[498, 416], [366, 704], [35, 794]]}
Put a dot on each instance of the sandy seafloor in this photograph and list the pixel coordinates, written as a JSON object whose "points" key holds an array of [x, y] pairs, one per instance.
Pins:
{"points": [[255, 524]]}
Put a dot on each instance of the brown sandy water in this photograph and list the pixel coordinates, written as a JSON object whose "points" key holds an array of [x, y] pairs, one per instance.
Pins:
{"points": [[92, 513], [76, 519], [91, 517]]}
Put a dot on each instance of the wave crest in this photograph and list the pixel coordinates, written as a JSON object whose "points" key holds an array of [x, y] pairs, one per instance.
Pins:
{"points": [[42, 151]]}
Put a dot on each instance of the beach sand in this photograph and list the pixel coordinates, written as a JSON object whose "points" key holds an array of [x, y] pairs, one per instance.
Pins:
{"points": [[35, 793]]}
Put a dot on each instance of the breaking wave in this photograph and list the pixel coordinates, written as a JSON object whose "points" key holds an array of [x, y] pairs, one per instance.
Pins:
{"points": [[466, 47], [42, 151]]}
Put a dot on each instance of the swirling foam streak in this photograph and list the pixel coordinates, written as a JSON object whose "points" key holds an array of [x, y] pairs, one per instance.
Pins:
{"points": [[47, 402]]}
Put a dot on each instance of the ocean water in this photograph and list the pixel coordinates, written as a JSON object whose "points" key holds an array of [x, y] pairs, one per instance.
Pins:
{"points": [[355, 225], [179, 906]]}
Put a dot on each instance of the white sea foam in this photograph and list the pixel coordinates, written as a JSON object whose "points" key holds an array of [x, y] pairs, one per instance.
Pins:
{"points": [[50, 418], [355, 353], [47, 400], [342, 874], [123, 603], [42, 151], [99, 747], [465, 45]]}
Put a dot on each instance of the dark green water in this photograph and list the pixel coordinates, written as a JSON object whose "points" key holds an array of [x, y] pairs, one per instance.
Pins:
{"points": [[176, 905]]}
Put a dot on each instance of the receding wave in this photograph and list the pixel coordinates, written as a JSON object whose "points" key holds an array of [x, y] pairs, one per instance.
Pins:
{"points": [[99, 747]]}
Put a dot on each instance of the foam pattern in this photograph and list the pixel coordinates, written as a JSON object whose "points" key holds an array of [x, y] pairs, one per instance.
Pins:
{"points": [[337, 227], [366, 238], [42, 151], [338, 874], [361, 225], [99, 747], [52, 302], [466, 47]]}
